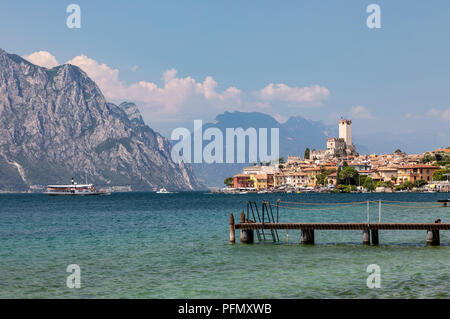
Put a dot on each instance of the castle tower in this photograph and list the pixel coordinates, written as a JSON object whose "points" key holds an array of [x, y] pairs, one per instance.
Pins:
{"points": [[345, 131]]}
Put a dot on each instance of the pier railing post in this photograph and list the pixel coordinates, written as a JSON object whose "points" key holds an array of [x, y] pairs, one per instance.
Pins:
{"points": [[368, 213], [379, 211], [278, 207], [232, 229], [242, 231]]}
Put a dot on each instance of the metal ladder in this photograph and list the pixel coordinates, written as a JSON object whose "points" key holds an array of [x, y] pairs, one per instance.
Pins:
{"points": [[265, 217]]}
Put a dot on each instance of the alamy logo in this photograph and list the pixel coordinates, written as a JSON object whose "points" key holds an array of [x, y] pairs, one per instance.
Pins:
{"points": [[74, 279], [240, 146], [374, 279], [374, 19], [74, 19]]}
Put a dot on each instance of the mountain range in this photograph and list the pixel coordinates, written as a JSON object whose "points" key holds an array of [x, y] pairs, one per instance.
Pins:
{"points": [[295, 135], [56, 124]]}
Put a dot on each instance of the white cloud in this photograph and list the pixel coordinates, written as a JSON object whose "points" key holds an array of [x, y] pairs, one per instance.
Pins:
{"points": [[434, 112], [361, 112], [179, 98], [446, 115], [411, 116], [298, 96], [105, 77], [42, 58], [176, 97], [443, 115]]}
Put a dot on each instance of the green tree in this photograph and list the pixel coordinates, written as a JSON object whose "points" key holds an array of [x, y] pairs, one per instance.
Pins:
{"points": [[369, 184], [438, 175], [229, 181], [349, 175], [307, 153], [345, 164], [338, 174], [398, 151], [405, 185], [322, 178], [362, 179], [281, 160], [428, 158], [420, 183]]}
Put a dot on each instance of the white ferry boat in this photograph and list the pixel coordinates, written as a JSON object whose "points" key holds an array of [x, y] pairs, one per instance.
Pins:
{"points": [[74, 189], [162, 191]]}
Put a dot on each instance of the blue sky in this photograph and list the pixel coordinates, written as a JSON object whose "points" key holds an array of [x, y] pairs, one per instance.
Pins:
{"points": [[320, 56]]}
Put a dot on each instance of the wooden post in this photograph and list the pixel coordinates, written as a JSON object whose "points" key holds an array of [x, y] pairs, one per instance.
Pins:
{"points": [[366, 237], [246, 234], [232, 230], [374, 236], [433, 238], [307, 236]]}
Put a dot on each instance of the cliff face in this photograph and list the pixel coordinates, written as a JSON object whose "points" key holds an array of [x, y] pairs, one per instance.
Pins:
{"points": [[56, 124]]}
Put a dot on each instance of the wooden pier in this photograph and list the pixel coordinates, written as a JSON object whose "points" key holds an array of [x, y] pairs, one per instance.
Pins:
{"points": [[369, 230]]}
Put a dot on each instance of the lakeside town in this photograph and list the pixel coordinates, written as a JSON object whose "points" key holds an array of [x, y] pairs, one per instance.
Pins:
{"points": [[340, 168]]}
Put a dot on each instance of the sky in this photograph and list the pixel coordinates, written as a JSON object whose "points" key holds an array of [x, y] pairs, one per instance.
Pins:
{"points": [[185, 60]]}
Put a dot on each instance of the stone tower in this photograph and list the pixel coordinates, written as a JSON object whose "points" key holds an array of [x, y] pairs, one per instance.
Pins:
{"points": [[345, 131]]}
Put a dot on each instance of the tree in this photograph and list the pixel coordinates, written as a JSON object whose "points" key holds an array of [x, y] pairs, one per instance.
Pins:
{"points": [[281, 160], [345, 164], [405, 185], [438, 175], [420, 183], [322, 178], [362, 179], [398, 151], [428, 158], [369, 184], [229, 181], [338, 174], [349, 175], [307, 153]]}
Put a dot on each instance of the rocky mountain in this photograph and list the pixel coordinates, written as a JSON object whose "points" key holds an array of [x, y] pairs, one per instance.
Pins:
{"points": [[55, 124]]}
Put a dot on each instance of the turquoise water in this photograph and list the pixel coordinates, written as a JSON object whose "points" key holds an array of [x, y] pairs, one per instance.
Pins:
{"points": [[145, 245]]}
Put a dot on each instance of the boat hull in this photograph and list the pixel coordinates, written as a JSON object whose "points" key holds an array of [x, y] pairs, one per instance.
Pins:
{"points": [[77, 194]]}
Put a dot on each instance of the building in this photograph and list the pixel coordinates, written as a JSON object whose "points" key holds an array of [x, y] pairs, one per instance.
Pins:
{"points": [[385, 174], [345, 131], [332, 178], [293, 159], [312, 174], [243, 181], [416, 172], [296, 179], [262, 181], [338, 147]]}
